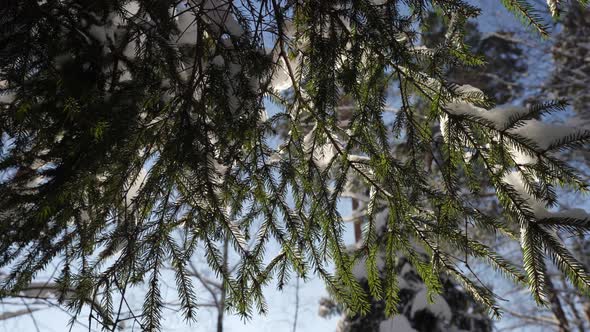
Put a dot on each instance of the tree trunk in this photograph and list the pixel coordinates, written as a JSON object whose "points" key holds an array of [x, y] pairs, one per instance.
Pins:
{"points": [[556, 306], [221, 309], [357, 223]]}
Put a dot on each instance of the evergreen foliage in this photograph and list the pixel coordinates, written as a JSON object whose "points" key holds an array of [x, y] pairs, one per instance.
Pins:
{"points": [[135, 134], [451, 308]]}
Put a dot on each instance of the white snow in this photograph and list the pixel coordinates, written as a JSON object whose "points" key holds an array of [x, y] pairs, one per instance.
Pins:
{"points": [[36, 164], [281, 80], [220, 169], [579, 214], [40, 290], [135, 187], [358, 158], [7, 98], [98, 32], [402, 283], [84, 216], [125, 74], [186, 23], [59, 136], [36, 182], [439, 307], [467, 89], [110, 32], [359, 270], [398, 323], [543, 134], [538, 208], [499, 116], [381, 219], [263, 115], [218, 61], [405, 269], [219, 14], [131, 8], [322, 153], [520, 157], [515, 180], [129, 51]]}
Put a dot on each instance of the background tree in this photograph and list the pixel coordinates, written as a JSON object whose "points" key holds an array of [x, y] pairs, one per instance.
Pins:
{"points": [[135, 131], [454, 309], [568, 309]]}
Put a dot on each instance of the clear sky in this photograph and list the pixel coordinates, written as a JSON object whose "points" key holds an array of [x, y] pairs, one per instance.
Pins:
{"points": [[281, 304], [280, 315]]}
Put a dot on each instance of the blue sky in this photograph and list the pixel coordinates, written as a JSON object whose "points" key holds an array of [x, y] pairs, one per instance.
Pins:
{"points": [[281, 304], [279, 318]]}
